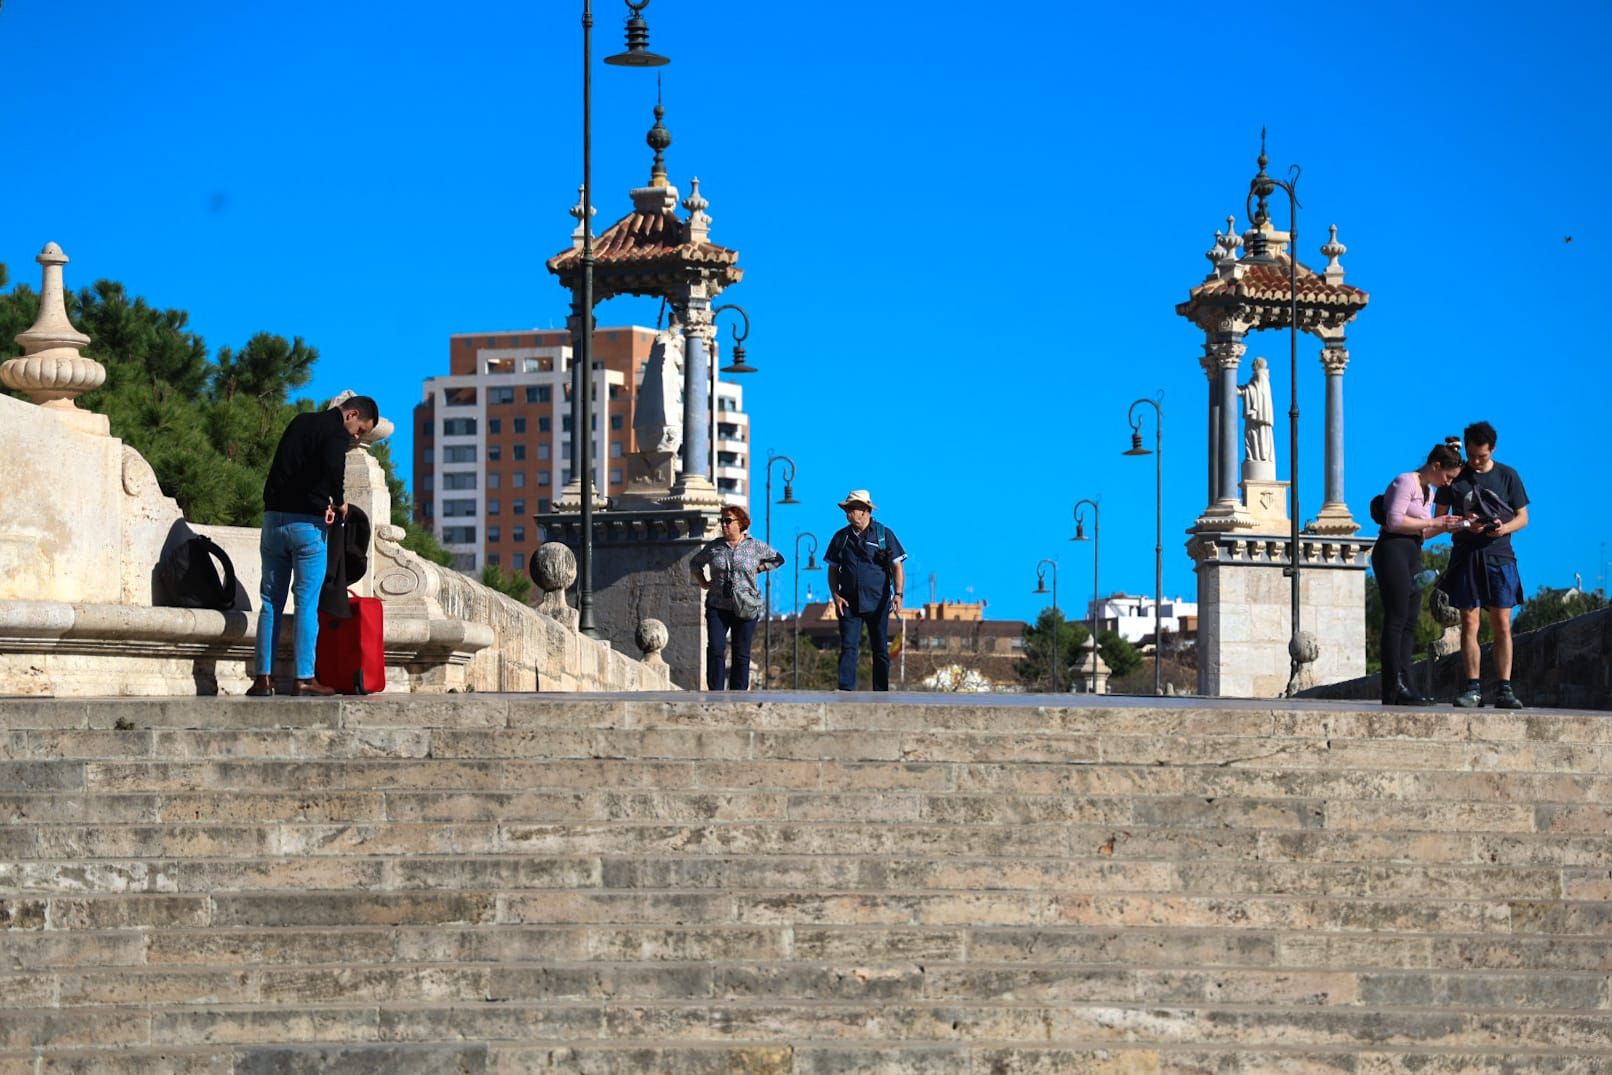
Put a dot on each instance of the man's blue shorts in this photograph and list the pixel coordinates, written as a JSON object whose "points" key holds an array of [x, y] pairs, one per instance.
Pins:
{"points": [[1477, 581]]}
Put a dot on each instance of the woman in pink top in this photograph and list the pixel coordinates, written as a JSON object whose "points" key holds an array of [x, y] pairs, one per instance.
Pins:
{"points": [[1397, 556]]}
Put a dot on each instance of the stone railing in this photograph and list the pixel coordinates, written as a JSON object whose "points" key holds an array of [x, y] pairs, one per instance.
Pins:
{"points": [[83, 524], [1566, 665]]}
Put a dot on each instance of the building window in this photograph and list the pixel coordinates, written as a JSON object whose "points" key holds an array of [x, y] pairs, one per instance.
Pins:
{"points": [[492, 559], [425, 428], [518, 506], [520, 425], [495, 425], [542, 477], [520, 451], [543, 507], [544, 425], [459, 535], [565, 450], [518, 480], [616, 449], [459, 427], [616, 421], [493, 535], [517, 534], [540, 393], [427, 508], [464, 561], [543, 451], [459, 480], [492, 479], [425, 453], [428, 482], [727, 485], [495, 506], [495, 452], [567, 478], [501, 395], [459, 453], [615, 477], [458, 509], [565, 424], [459, 397]]}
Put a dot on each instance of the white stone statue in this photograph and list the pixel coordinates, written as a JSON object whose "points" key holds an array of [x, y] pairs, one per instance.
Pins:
{"points": [[1258, 415], [658, 420]]}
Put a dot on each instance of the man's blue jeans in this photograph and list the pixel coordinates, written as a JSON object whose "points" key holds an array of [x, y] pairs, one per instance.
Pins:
{"points": [[878, 623], [293, 549]]}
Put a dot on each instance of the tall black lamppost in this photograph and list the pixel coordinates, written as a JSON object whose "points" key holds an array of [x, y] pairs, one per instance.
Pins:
{"points": [[787, 498], [637, 55], [811, 565], [1262, 187], [1096, 547], [1158, 522], [1057, 626]]}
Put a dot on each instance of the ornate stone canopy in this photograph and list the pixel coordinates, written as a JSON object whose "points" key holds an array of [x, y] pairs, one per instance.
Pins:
{"points": [[652, 251]]}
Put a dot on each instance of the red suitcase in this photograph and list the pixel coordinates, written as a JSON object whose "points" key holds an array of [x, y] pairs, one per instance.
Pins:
{"points": [[351, 654]]}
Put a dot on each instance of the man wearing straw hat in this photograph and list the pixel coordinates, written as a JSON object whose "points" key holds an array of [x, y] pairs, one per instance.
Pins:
{"points": [[865, 577]]}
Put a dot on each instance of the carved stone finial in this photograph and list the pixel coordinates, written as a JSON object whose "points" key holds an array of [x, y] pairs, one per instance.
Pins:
{"points": [[51, 371], [576, 212], [652, 637], [1332, 250], [699, 222], [554, 569]]}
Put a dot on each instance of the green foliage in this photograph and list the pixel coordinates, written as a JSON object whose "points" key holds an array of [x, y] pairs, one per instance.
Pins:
{"points": [[1036, 668], [1050, 633], [819, 668], [510, 583], [416, 538], [208, 429], [1552, 606]]}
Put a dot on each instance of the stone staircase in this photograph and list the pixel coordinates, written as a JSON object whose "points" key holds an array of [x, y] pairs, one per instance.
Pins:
{"points": [[676, 883]]}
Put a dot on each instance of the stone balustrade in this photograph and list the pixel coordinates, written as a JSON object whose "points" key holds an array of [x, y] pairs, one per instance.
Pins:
{"points": [[84, 523]]}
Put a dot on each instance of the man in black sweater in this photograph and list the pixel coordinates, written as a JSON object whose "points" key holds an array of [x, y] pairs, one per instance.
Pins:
{"points": [[302, 497]]}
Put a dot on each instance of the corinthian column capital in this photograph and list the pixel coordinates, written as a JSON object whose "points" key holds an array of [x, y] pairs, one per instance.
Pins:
{"points": [[1334, 358]]}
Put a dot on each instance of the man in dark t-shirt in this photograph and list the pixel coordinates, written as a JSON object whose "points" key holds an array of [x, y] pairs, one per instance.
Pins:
{"points": [[1483, 566]]}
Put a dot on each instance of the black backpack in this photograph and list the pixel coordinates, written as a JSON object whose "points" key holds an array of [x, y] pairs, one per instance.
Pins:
{"points": [[188, 578]]}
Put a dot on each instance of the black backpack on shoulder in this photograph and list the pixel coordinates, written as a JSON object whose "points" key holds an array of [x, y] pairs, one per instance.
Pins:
{"points": [[188, 578]]}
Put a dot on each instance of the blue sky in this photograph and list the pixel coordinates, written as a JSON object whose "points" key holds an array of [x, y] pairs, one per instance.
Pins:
{"points": [[964, 227]]}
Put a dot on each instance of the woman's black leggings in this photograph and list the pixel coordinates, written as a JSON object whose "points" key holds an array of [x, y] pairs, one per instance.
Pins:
{"points": [[1395, 560]]}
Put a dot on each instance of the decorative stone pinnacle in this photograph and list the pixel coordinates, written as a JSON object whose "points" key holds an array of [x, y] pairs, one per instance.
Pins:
{"points": [[1333, 250], [576, 214], [659, 138], [51, 369], [699, 223]]}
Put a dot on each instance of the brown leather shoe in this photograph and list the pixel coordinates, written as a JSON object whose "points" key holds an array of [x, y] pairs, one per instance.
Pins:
{"points": [[314, 689], [262, 687]]}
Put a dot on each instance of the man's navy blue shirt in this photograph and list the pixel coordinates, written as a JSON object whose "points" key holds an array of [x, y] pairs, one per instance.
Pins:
{"points": [[858, 570]]}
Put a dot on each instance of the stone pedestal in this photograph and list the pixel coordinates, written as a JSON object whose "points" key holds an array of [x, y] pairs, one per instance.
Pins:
{"points": [[641, 571], [1266, 501], [1244, 610]]}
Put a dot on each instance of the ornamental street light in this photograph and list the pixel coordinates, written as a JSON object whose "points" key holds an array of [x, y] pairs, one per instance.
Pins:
{"points": [[787, 498], [1299, 650], [637, 55], [811, 565], [1096, 547], [1158, 520], [736, 362], [1057, 624]]}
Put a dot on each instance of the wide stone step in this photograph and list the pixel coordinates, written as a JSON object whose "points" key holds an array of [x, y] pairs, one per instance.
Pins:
{"points": [[794, 884]]}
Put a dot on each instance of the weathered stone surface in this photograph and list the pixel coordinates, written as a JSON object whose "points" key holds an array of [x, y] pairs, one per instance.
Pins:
{"points": [[530, 884]]}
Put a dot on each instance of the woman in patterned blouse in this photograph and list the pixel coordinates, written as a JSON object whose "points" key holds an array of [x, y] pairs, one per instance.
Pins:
{"points": [[726, 569]]}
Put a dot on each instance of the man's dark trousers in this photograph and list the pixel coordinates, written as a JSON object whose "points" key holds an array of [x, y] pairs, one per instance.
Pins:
{"points": [[878, 623]]}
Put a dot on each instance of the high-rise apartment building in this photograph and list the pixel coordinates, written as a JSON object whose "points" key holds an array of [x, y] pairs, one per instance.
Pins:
{"points": [[492, 439]]}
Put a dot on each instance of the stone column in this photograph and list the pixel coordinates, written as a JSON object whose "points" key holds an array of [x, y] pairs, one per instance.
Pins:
{"points": [[1208, 364], [1226, 511], [697, 389], [694, 488], [1334, 517]]}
